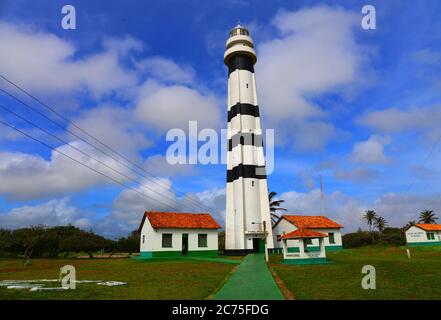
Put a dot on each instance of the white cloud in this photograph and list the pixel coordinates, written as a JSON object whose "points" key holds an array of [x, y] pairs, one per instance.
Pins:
{"points": [[371, 151], [129, 205], [337, 206], [356, 174], [44, 63], [51, 213], [396, 208], [167, 70], [315, 53], [116, 127], [27, 177], [158, 165], [393, 120], [167, 107]]}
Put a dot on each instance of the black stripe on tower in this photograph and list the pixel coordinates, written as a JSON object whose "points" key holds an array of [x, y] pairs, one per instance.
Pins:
{"points": [[245, 139], [240, 62], [243, 108], [246, 171]]}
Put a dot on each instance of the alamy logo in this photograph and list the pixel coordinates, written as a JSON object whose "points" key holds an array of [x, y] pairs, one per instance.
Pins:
{"points": [[369, 281], [69, 21], [369, 19], [68, 277], [203, 147]]}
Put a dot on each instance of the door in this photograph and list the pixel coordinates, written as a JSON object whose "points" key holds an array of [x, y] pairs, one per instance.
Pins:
{"points": [[256, 245], [184, 243]]}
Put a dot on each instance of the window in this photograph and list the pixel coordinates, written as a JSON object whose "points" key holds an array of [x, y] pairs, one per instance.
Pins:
{"points": [[247, 85], [308, 241], [166, 240], [331, 237], [279, 238], [430, 236], [202, 240], [252, 183], [143, 238]]}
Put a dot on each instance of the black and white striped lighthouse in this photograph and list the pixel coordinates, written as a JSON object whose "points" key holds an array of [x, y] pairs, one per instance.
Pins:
{"points": [[248, 221]]}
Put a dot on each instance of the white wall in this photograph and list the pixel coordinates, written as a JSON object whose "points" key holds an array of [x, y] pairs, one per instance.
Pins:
{"points": [[281, 228], [284, 227], [153, 238], [418, 235]]}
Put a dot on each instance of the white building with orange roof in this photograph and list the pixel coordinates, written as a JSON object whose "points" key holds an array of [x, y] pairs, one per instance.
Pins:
{"points": [[304, 255], [424, 234], [289, 223], [173, 234]]}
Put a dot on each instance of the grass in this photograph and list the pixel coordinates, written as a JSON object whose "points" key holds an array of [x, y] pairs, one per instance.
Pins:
{"points": [[397, 277], [159, 280]]}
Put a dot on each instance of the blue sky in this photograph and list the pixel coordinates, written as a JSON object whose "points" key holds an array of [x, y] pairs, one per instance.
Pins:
{"points": [[359, 107]]}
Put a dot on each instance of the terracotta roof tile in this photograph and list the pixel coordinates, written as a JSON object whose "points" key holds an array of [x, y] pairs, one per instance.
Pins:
{"points": [[303, 233], [429, 227], [182, 220], [312, 222]]}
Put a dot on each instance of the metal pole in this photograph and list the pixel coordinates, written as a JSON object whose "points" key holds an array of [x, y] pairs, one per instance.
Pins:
{"points": [[266, 249]]}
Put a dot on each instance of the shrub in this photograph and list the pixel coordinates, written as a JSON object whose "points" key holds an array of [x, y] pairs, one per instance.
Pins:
{"points": [[390, 236], [358, 239]]}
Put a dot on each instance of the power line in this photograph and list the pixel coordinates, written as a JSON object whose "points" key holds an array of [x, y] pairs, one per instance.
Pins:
{"points": [[82, 152], [83, 164], [85, 141], [200, 204]]}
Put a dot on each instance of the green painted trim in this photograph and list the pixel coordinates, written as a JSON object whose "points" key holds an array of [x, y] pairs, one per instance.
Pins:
{"points": [[203, 253], [178, 254], [428, 243], [306, 261], [168, 254], [316, 248], [333, 248], [146, 254]]}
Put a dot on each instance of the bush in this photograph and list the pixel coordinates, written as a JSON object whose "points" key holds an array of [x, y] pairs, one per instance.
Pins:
{"points": [[390, 236], [49, 242], [221, 243], [359, 239]]}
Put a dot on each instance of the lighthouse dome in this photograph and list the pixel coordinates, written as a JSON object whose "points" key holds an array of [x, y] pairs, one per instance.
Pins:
{"points": [[239, 30], [239, 43]]}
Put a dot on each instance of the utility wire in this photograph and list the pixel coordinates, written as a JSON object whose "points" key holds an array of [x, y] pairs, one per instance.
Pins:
{"points": [[83, 164], [83, 152], [200, 204]]}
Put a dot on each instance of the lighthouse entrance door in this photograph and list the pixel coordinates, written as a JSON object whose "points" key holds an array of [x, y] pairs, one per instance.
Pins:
{"points": [[258, 245]]}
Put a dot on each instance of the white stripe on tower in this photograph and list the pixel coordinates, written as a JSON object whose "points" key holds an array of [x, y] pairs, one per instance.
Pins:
{"points": [[247, 190]]}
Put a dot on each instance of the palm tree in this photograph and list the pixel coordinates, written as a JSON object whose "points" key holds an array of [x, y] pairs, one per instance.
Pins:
{"points": [[380, 223], [428, 216], [409, 224], [275, 206], [370, 216]]}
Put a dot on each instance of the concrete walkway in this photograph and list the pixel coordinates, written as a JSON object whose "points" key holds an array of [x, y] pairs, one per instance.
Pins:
{"points": [[251, 281]]}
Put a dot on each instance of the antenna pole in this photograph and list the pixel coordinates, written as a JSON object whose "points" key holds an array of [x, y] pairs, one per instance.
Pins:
{"points": [[321, 195]]}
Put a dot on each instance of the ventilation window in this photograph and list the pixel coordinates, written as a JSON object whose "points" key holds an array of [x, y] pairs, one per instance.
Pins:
{"points": [[247, 85], [252, 183]]}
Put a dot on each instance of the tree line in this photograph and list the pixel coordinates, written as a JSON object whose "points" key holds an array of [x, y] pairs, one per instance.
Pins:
{"points": [[379, 231], [60, 241]]}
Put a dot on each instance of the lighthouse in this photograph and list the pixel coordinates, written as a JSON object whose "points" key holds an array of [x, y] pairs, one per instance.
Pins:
{"points": [[248, 220]]}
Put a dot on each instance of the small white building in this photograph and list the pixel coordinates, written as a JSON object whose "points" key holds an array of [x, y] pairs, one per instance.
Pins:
{"points": [[172, 234], [424, 234], [303, 254], [289, 223]]}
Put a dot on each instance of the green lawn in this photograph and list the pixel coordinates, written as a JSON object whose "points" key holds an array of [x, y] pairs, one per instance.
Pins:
{"points": [[168, 279], [397, 276]]}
